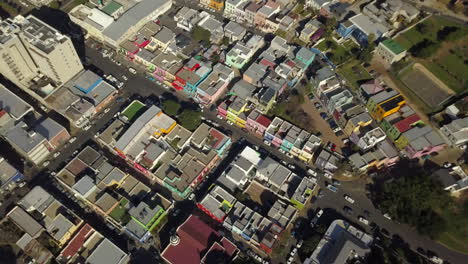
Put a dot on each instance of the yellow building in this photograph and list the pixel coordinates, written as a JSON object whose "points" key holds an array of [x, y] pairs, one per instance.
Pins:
{"points": [[388, 107], [235, 112], [217, 5]]}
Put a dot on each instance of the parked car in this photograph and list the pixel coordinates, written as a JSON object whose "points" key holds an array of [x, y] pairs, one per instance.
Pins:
{"points": [[300, 243], [327, 175], [291, 166], [320, 194], [56, 154], [46, 163], [332, 188], [324, 115], [106, 110], [363, 220], [312, 172], [319, 213], [332, 124], [348, 210], [132, 71], [125, 78], [311, 96], [349, 199], [336, 182], [318, 106], [72, 139], [387, 216]]}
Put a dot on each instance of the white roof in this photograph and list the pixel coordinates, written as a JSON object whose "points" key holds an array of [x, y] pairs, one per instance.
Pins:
{"points": [[101, 18], [251, 155]]}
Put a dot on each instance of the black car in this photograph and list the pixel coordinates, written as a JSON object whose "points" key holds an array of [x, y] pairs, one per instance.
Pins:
{"points": [[348, 210], [332, 124], [324, 115]]}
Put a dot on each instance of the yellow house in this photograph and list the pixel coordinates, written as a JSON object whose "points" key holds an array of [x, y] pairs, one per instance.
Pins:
{"points": [[217, 5], [357, 122], [388, 107], [163, 124], [235, 112]]}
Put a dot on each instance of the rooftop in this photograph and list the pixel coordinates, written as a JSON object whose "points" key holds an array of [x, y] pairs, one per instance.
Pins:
{"points": [[107, 253], [14, 105], [393, 46], [131, 17]]}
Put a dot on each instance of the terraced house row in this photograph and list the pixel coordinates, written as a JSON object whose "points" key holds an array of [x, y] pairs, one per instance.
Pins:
{"points": [[163, 150]]}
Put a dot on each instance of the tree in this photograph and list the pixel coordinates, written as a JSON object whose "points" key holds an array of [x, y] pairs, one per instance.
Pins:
{"points": [[171, 107], [201, 34], [54, 5], [422, 28], [190, 119], [310, 244]]}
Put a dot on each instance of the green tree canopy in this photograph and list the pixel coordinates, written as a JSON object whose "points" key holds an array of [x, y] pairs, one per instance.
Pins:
{"points": [[171, 107], [190, 119], [201, 34]]}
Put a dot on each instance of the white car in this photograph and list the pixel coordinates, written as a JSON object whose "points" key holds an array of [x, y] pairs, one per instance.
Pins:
{"points": [[299, 244], [56, 154], [53, 173], [291, 166], [191, 197], [327, 175], [363, 220], [312, 172], [73, 139], [106, 110], [46, 163], [120, 85], [118, 63], [86, 128], [219, 117], [267, 143], [132, 71], [294, 251], [387, 216], [320, 213], [96, 135], [124, 77], [349, 199]]}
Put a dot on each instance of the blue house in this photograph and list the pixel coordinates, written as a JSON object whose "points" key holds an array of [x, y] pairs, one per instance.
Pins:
{"points": [[360, 27]]}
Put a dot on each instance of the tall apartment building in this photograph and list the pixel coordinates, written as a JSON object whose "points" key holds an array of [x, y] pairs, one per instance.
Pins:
{"points": [[30, 48]]}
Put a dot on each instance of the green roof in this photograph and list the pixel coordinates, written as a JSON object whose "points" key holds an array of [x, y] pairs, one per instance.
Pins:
{"points": [[111, 7], [393, 46]]}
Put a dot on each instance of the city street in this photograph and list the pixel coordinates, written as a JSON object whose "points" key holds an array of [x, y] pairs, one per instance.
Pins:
{"points": [[331, 200], [138, 85]]}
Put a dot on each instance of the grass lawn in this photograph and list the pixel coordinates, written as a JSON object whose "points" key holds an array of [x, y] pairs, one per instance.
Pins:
{"points": [[433, 24], [338, 53], [119, 211], [321, 45], [8, 8], [132, 110], [456, 236], [448, 63], [354, 73]]}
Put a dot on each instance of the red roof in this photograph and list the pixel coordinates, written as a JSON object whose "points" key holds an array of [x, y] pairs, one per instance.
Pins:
{"points": [[406, 124], [195, 237], [218, 136], [77, 241], [263, 120], [228, 246]]}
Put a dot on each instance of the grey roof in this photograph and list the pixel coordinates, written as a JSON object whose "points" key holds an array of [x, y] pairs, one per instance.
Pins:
{"points": [[37, 199], [142, 120], [59, 227], [84, 185], [280, 175], [357, 161], [243, 163], [368, 25], [243, 89], [323, 74], [134, 15], [23, 137], [144, 213], [136, 229], [11, 103], [362, 117], [7, 171], [416, 132], [107, 253], [268, 166], [115, 175], [49, 128], [212, 25], [165, 35], [153, 151], [384, 95], [235, 29], [235, 173], [25, 221], [91, 86]]}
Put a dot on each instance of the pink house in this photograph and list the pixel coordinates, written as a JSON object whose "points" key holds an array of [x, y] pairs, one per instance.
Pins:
{"points": [[215, 84], [257, 123], [425, 145]]}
